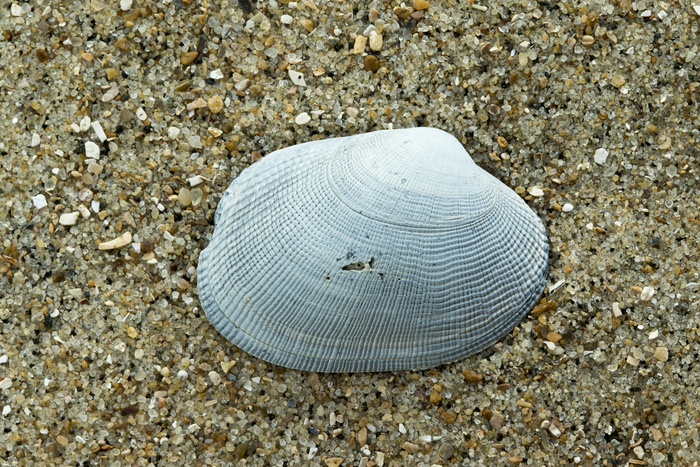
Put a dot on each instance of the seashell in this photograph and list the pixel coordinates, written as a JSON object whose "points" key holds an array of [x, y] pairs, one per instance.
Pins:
{"points": [[381, 251]]}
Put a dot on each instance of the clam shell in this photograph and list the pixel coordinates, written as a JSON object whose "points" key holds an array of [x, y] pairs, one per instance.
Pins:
{"points": [[382, 251]]}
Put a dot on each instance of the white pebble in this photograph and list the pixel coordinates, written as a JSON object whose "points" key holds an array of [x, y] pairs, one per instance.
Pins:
{"points": [[99, 131], [286, 19], [375, 41], [92, 150], [601, 155], [402, 429], [616, 310], [653, 335], [195, 141], [6, 383], [297, 78], [697, 9], [3, 359], [196, 180], [69, 219], [85, 123], [173, 132], [16, 10], [95, 205], [36, 140], [110, 94], [141, 114], [216, 74], [535, 191], [302, 119], [182, 374], [84, 211], [352, 112], [6, 410], [647, 293], [215, 378], [39, 201], [125, 4], [568, 207]]}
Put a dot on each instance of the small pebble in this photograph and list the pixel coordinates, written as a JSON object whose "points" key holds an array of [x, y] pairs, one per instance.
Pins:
{"points": [[617, 81], [36, 140], [69, 218], [535, 191], [196, 194], [215, 105], [421, 4], [352, 112], [616, 310], [664, 142], [647, 294], [286, 19], [446, 451], [186, 58], [110, 94], [125, 4], [215, 378], [182, 374], [92, 150], [6, 383], [568, 207], [99, 131], [195, 141], [375, 41], [39, 201], [297, 78], [371, 63], [302, 119], [216, 74], [185, 197], [661, 354], [95, 168], [601, 155], [360, 44], [242, 85]]}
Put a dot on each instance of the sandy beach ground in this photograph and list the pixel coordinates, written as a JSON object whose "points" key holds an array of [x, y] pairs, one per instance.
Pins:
{"points": [[127, 120]]}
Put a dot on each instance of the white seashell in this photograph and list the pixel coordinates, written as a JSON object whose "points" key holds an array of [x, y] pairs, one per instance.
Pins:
{"points": [[376, 252]]}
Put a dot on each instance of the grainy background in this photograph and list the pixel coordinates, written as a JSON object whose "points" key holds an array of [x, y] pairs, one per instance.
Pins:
{"points": [[587, 109]]}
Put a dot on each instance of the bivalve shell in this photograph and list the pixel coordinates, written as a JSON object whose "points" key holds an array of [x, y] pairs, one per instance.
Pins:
{"points": [[381, 251]]}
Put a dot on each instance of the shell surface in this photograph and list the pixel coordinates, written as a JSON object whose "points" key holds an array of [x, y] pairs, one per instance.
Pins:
{"points": [[381, 251]]}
